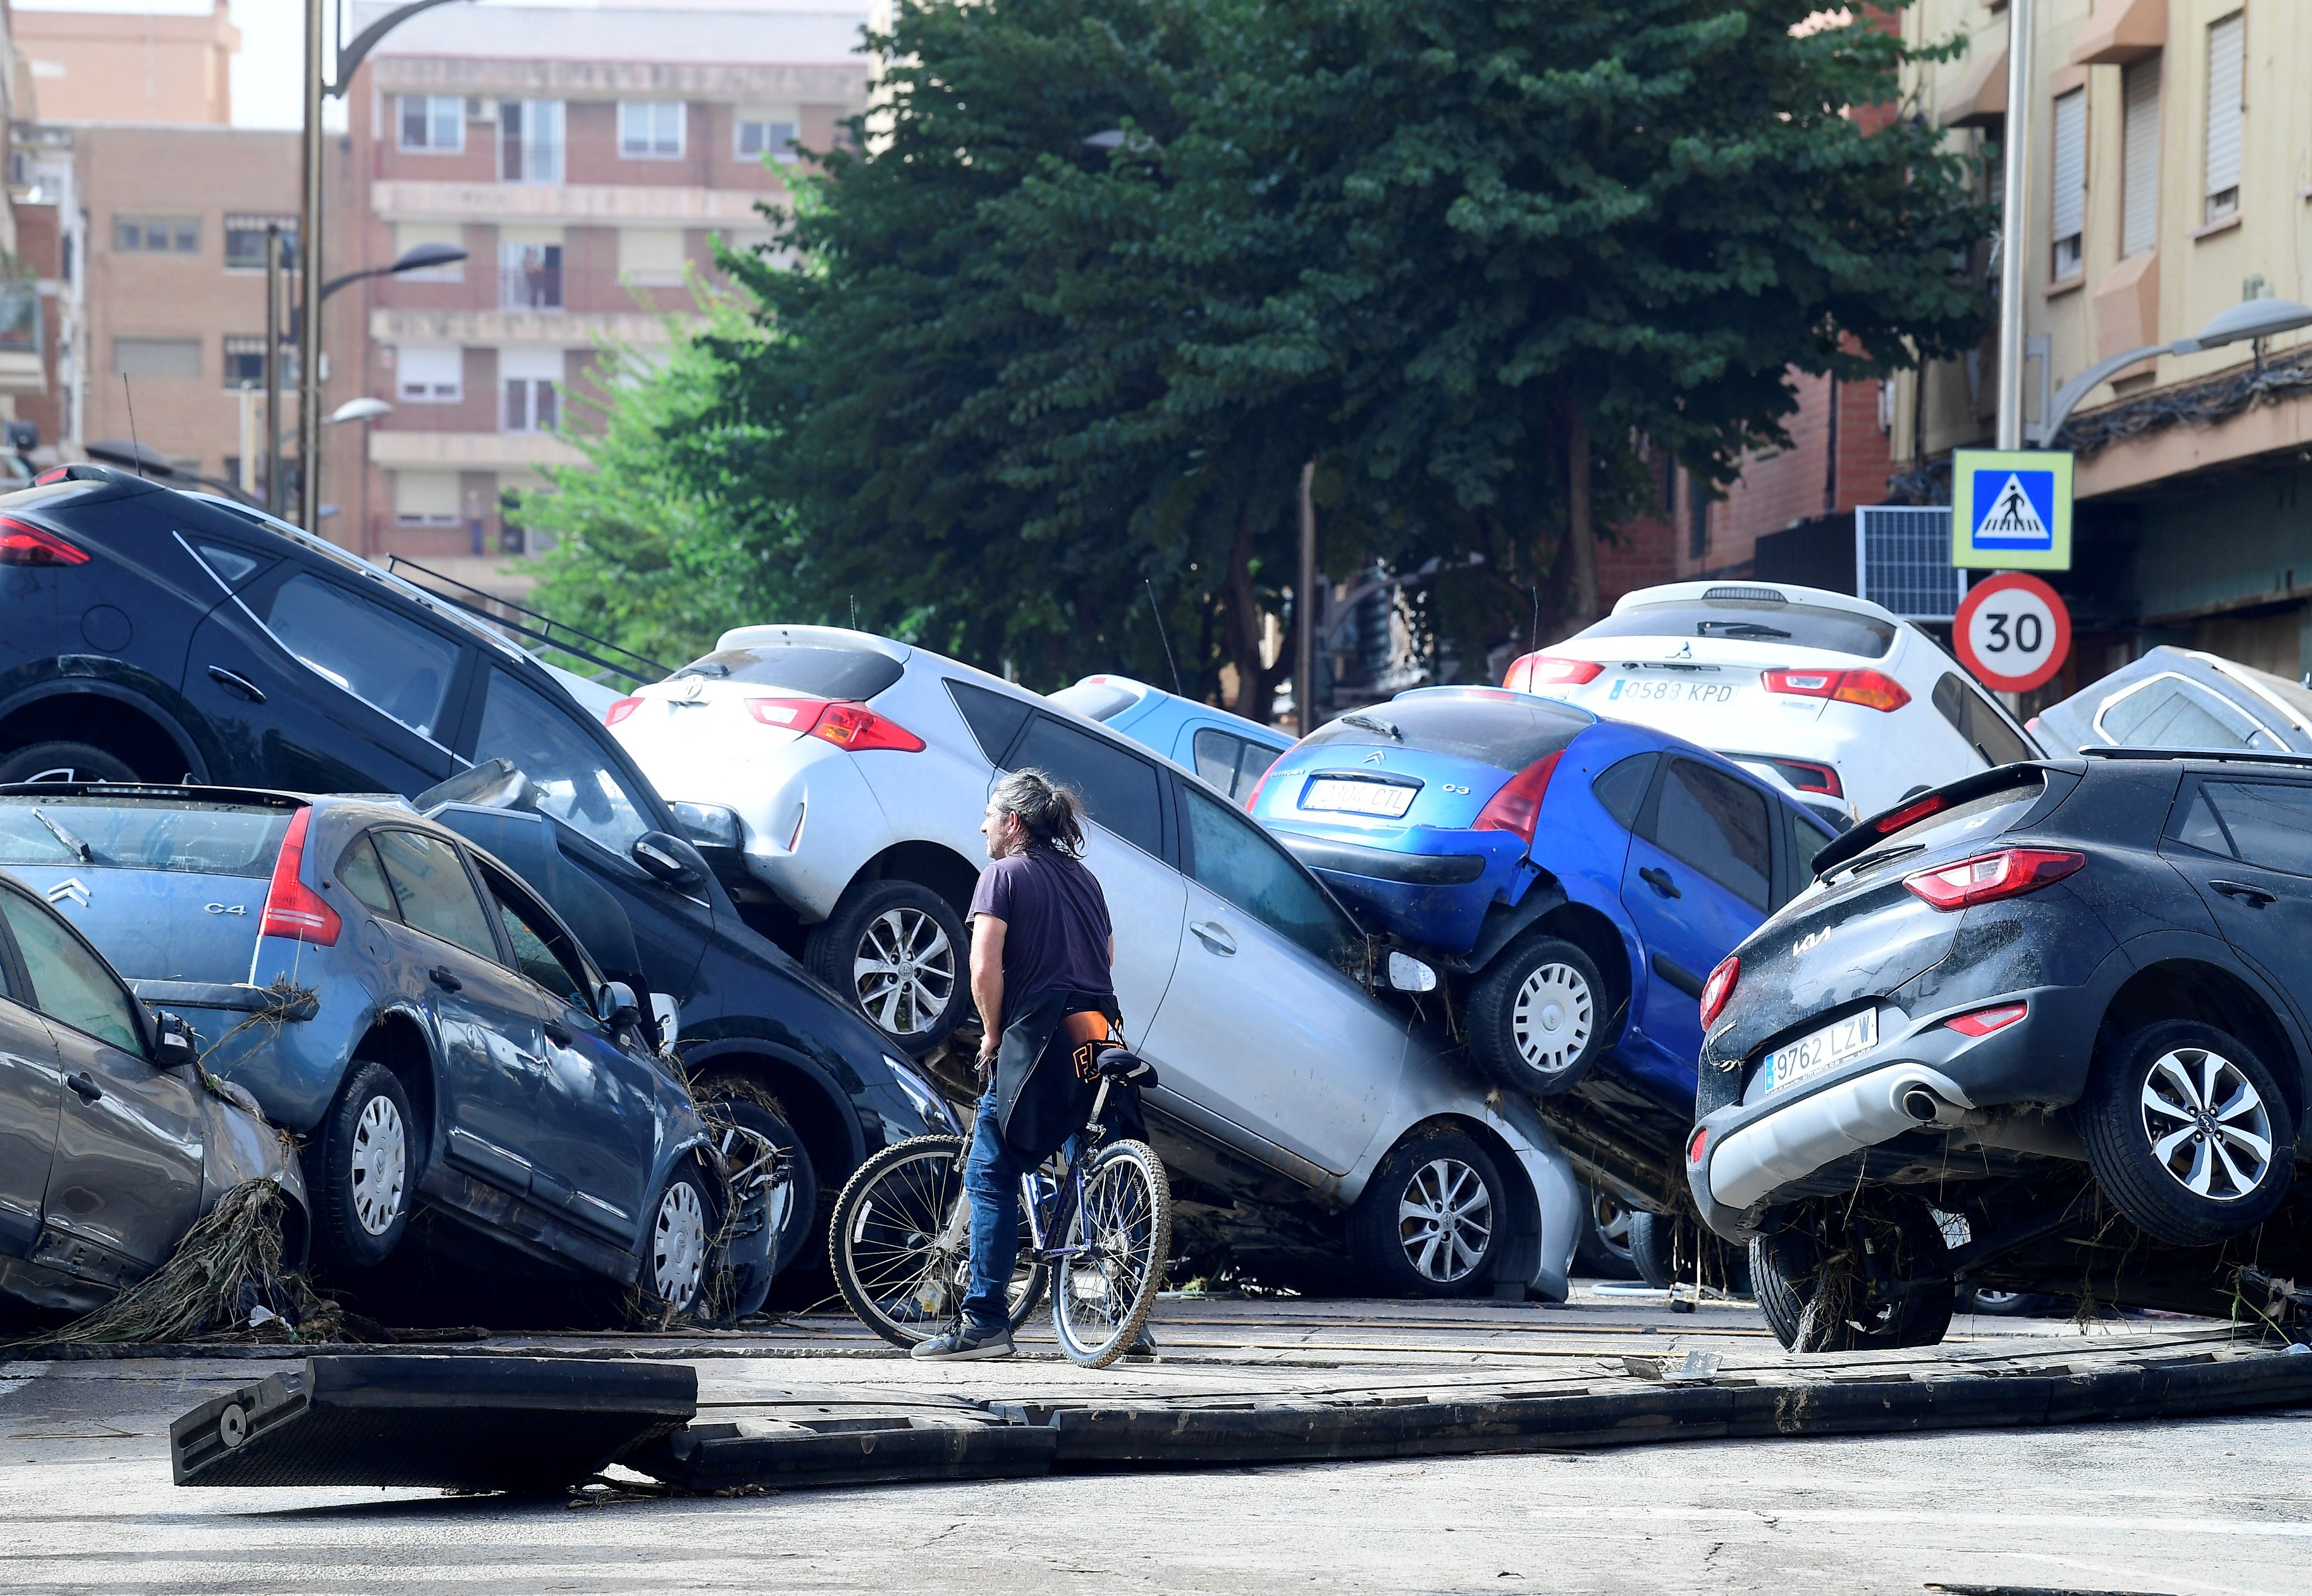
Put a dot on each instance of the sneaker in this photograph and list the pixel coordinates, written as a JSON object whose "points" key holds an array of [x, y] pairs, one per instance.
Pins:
{"points": [[962, 1342], [1143, 1345]]}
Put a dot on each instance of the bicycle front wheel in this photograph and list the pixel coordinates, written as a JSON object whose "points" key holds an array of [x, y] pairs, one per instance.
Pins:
{"points": [[899, 1243], [1104, 1286]]}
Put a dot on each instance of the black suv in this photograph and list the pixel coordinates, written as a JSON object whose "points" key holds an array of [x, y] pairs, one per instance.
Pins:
{"points": [[153, 635], [2007, 1015]]}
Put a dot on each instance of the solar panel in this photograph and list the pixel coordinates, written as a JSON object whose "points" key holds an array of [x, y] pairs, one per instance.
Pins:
{"points": [[1902, 559]]}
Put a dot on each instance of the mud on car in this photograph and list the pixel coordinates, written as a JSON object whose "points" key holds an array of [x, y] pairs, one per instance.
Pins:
{"points": [[2044, 1029]]}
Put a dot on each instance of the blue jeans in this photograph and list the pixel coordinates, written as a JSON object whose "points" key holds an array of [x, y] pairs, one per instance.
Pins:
{"points": [[991, 1181]]}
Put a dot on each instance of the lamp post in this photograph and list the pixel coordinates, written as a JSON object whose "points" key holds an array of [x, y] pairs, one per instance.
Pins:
{"points": [[2014, 223], [2252, 319], [309, 366]]}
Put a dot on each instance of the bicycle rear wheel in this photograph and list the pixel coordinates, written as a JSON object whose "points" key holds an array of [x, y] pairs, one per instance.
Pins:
{"points": [[1103, 1291], [899, 1243]]}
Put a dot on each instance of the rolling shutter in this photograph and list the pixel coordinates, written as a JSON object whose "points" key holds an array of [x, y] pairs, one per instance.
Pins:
{"points": [[2227, 44], [2140, 158], [2069, 191]]}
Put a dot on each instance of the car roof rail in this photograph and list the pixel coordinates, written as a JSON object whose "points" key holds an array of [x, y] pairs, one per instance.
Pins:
{"points": [[2214, 755], [543, 630]]}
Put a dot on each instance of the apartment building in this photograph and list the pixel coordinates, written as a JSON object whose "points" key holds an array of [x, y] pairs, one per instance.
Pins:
{"points": [[586, 159], [122, 67]]}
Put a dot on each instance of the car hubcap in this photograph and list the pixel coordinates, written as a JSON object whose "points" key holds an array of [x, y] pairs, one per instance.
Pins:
{"points": [[905, 972], [381, 1165], [1445, 1220], [2208, 1124], [1613, 1223], [1553, 1019], [678, 1246]]}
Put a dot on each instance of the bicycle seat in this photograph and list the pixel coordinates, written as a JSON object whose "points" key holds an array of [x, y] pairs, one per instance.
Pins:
{"points": [[1119, 1064]]}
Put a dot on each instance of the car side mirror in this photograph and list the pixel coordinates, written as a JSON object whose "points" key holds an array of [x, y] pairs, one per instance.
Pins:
{"points": [[709, 825], [615, 1005], [669, 859], [1409, 974], [174, 1044]]}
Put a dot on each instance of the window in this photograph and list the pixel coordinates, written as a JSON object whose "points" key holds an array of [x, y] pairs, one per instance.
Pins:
{"points": [[2169, 711], [244, 362], [651, 256], [651, 129], [429, 374], [1238, 860], [574, 778], [156, 357], [1811, 840], [531, 380], [163, 835], [529, 140], [1499, 731], [541, 950], [1759, 620], [2069, 196], [822, 669], [358, 869], [757, 135], [409, 235], [1231, 763], [244, 242], [1718, 824], [2139, 155], [1978, 722], [425, 498], [530, 277], [389, 663], [157, 235], [435, 894], [434, 123], [1622, 788], [1119, 789], [70, 984], [2227, 47], [995, 718], [2257, 823]]}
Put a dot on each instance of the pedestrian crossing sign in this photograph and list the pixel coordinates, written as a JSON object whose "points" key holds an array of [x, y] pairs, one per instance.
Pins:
{"points": [[2012, 509]]}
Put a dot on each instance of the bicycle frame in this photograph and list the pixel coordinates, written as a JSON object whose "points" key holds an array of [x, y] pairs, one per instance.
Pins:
{"points": [[1068, 1196]]}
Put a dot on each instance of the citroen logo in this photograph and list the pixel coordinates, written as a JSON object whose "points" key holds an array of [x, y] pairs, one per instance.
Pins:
{"points": [[71, 888], [1375, 756]]}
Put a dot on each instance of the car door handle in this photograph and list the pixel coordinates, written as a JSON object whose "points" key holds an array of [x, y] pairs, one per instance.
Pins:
{"points": [[556, 1035], [88, 1089], [2254, 897], [233, 681], [1214, 935], [440, 977], [1660, 882]]}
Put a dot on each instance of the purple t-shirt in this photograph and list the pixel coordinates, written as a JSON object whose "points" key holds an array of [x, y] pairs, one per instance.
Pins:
{"points": [[1055, 925]]}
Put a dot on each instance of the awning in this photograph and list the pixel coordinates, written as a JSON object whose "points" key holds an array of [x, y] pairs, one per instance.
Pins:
{"points": [[2127, 31], [1981, 99]]}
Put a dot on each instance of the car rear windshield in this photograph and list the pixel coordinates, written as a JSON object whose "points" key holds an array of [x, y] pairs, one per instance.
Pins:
{"points": [[1754, 620], [1096, 700], [821, 669], [1508, 730], [142, 834]]}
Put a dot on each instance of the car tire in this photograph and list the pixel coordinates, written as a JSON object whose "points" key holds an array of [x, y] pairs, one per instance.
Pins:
{"points": [[1668, 1250], [1538, 1015], [63, 762], [2148, 1110], [894, 950], [1862, 1249], [1431, 1220], [1603, 1253], [675, 1245], [361, 1169], [803, 1221]]}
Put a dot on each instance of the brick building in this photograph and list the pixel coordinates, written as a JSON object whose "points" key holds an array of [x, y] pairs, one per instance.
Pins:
{"points": [[118, 66]]}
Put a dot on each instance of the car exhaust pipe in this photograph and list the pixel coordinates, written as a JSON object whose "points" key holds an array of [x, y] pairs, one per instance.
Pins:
{"points": [[1921, 1104]]}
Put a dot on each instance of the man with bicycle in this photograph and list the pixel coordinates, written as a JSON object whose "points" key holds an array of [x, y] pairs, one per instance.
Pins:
{"points": [[1042, 948]]}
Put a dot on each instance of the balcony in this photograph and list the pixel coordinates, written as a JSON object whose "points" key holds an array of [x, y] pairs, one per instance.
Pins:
{"points": [[21, 340], [530, 286], [568, 205], [396, 449]]}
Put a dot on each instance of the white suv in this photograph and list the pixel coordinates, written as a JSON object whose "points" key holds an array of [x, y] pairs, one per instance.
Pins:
{"points": [[843, 775], [1834, 697]]}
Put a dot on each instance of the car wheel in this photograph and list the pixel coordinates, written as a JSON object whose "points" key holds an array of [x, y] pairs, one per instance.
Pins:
{"points": [[362, 1170], [1537, 1014], [1603, 1252], [2005, 1305], [1430, 1221], [674, 1249], [63, 762], [895, 950], [1848, 1276], [1668, 1249], [795, 1207], [2187, 1133]]}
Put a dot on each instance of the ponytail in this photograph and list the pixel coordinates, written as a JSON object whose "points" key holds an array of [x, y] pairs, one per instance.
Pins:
{"points": [[1050, 814]]}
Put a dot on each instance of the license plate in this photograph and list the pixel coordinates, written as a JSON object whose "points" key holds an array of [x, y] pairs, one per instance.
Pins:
{"points": [[1817, 1051], [1358, 797], [1672, 690]]}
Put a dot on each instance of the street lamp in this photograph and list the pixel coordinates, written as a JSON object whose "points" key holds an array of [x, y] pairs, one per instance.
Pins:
{"points": [[362, 409], [2251, 319], [424, 258]]}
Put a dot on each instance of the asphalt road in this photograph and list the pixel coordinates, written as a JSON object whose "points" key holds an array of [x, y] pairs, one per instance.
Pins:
{"points": [[2208, 1505]]}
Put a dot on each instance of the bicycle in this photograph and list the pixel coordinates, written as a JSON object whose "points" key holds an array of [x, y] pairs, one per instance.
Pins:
{"points": [[1098, 1222]]}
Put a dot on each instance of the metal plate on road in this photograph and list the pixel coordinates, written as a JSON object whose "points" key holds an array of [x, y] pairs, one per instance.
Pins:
{"points": [[1817, 1051], [1349, 796]]}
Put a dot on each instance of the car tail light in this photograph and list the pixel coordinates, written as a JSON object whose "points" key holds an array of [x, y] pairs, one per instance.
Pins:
{"points": [[1697, 1144], [1873, 690], [293, 909], [23, 544], [1806, 775], [620, 710], [1718, 989], [1517, 807], [1934, 803], [1983, 1022], [1988, 876], [851, 726], [1542, 669]]}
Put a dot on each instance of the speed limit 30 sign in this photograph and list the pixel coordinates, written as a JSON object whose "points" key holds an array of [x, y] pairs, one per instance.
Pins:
{"points": [[2012, 632]]}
